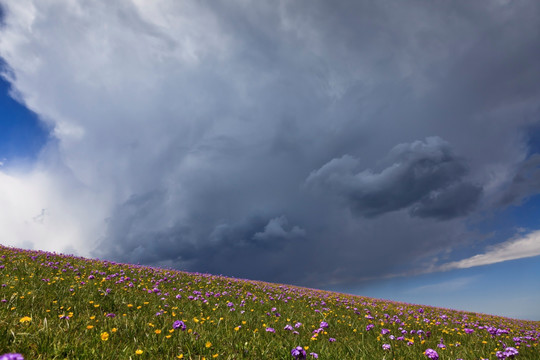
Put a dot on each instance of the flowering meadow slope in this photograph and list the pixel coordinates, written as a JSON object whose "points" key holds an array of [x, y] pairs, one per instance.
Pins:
{"points": [[63, 307]]}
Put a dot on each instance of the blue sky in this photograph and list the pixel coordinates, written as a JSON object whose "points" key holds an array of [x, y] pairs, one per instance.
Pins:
{"points": [[378, 149], [22, 135]]}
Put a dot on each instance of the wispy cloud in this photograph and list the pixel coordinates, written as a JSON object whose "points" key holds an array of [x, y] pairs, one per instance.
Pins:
{"points": [[524, 247]]}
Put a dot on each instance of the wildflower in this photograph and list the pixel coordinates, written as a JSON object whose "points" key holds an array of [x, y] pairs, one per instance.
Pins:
{"points": [[332, 340], [208, 344], [369, 327], [297, 325], [104, 336], [386, 346], [385, 331], [271, 330], [179, 324], [314, 355], [510, 351], [25, 319], [288, 327], [11, 356], [138, 351], [324, 324], [432, 354], [298, 353]]}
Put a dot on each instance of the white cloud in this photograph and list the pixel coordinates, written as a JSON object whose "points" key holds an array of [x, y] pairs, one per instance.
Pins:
{"points": [[524, 247], [39, 211]]}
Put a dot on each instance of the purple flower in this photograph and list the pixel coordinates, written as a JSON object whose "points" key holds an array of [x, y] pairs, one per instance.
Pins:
{"points": [[385, 331], [288, 327], [269, 329], [315, 355], [324, 324], [298, 353], [297, 325], [369, 327], [386, 346], [510, 352], [111, 315], [179, 324], [432, 354], [12, 356], [332, 340]]}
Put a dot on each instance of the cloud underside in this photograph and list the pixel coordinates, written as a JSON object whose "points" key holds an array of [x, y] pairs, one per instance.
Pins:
{"points": [[425, 177], [290, 142]]}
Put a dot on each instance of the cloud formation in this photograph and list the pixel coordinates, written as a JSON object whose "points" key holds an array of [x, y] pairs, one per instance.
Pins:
{"points": [[424, 176], [523, 247], [217, 137]]}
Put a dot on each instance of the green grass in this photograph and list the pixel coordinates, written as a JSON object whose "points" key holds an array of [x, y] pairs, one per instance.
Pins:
{"points": [[59, 307]]}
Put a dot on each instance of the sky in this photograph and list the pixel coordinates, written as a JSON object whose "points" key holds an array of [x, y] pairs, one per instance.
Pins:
{"points": [[369, 147]]}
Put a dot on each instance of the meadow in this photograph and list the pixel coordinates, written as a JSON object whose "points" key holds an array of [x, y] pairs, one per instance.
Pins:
{"points": [[55, 306]]}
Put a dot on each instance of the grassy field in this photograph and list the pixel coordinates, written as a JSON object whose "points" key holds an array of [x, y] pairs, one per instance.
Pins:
{"points": [[63, 307]]}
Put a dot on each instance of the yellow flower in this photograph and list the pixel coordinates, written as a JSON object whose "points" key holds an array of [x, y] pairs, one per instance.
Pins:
{"points": [[114, 329], [181, 356], [89, 327], [25, 319], [237, 328], [104, 336], [215, 355], [138, 351], [208, 344], [157, 331]]}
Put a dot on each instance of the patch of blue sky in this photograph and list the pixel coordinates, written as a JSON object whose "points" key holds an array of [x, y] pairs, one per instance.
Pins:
{"points": [[22, 134], [489, 289]]}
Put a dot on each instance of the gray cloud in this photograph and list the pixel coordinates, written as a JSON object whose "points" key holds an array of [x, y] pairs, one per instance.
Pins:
{"points": [[426, 176], [525, 182], [186, 131]]}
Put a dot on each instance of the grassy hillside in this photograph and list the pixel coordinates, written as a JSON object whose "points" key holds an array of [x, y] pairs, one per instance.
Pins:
{"points": [[63, 307]]}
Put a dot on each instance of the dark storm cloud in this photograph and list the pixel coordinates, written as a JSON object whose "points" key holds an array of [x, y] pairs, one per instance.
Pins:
{"points": [[217, 136], [252, 247], [425, 175]]}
